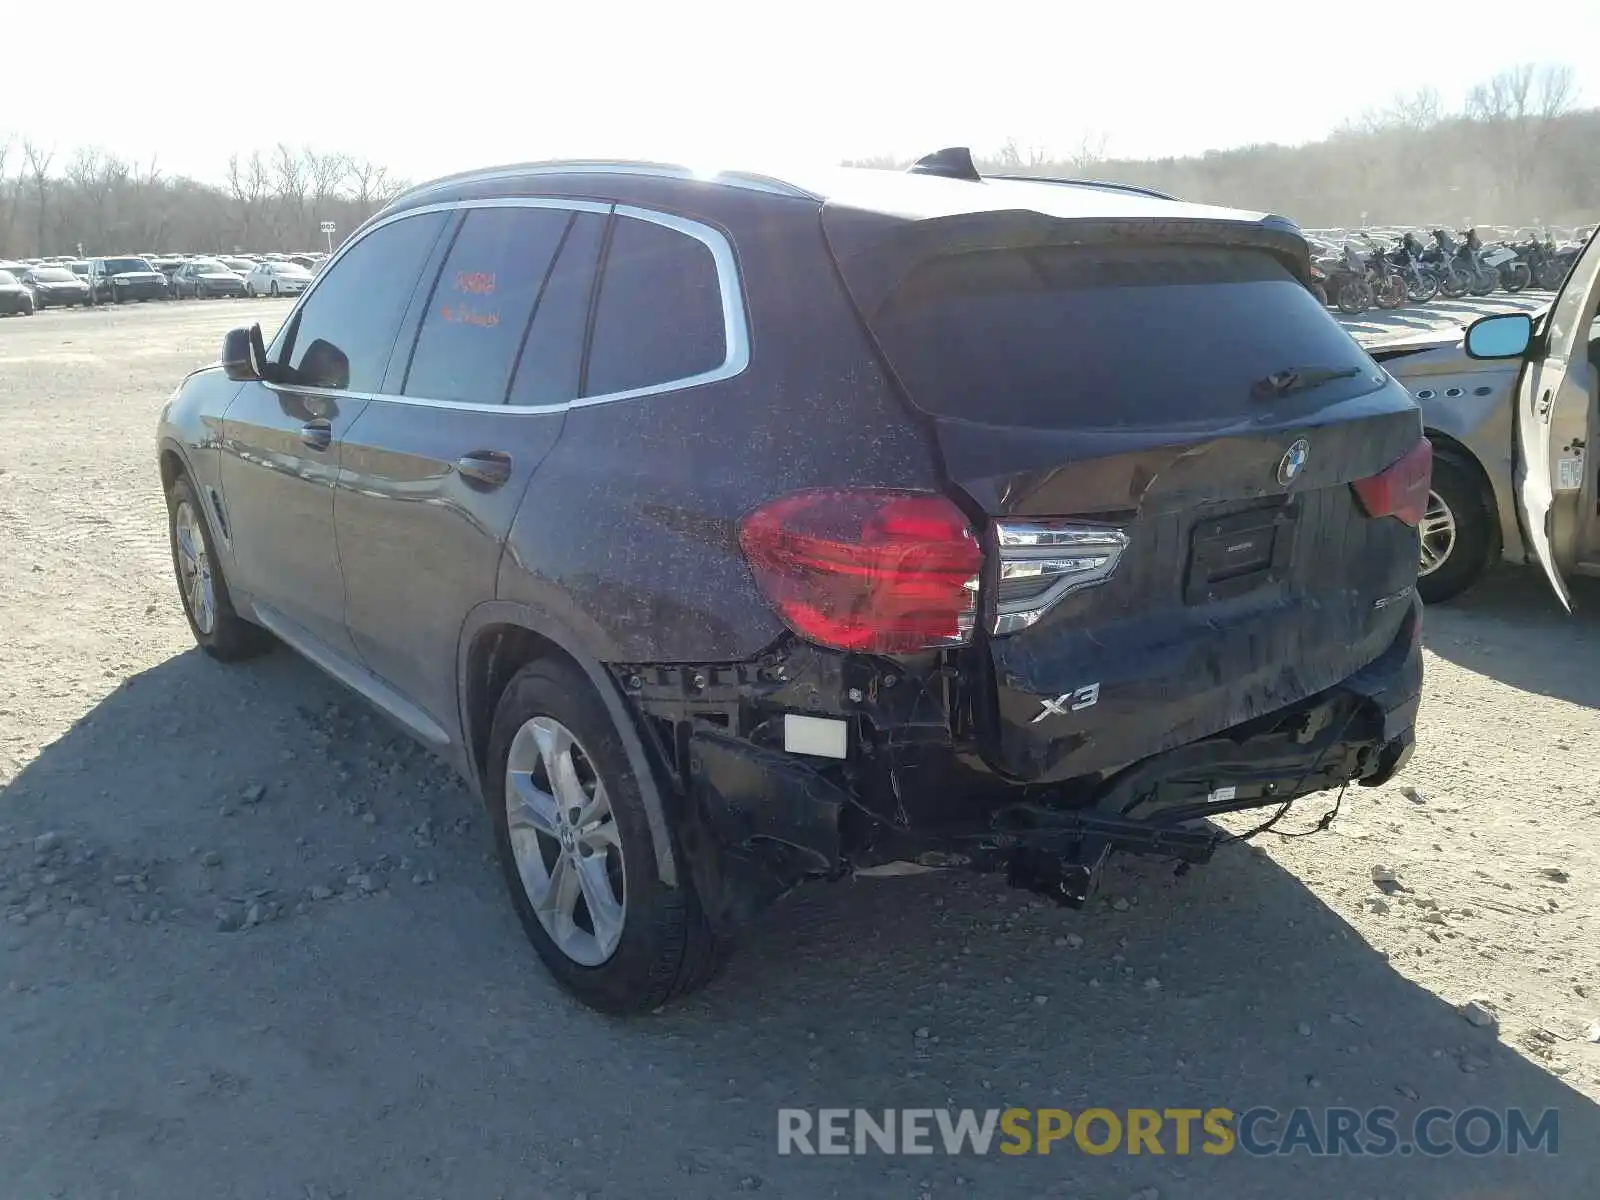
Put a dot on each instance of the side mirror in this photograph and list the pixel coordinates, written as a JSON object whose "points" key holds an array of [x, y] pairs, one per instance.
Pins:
{"points": [[244, 354], [1502, 335], [324, 365]]}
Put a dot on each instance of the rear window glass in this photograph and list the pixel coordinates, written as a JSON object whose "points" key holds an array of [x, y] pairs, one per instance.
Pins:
{"points": [[1108, 337]]}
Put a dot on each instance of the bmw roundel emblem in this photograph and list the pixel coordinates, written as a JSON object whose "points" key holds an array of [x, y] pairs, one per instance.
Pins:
{"points": [[1293, 461]]}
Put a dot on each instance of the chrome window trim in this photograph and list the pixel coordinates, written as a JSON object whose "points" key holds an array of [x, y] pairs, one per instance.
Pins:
{"points": [[735, 324]]}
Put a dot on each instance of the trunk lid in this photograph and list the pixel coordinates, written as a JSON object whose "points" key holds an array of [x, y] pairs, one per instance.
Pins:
{"points": [[1157, 428]]}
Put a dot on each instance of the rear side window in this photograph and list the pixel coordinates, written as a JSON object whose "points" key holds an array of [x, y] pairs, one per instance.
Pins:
{"points": [[481, 303], [659, 315], [344, 333], [1052, 337], [552, 355]]}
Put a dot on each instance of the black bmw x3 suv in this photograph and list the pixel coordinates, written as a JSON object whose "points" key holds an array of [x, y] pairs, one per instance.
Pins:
{"points": [[727, 531]]}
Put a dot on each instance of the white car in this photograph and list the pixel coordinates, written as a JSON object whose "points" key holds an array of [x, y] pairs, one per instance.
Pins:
{"points": [[276, 279]]}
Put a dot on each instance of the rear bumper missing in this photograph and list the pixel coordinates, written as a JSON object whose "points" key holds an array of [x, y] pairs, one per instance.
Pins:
{"points": [[758, 820]]}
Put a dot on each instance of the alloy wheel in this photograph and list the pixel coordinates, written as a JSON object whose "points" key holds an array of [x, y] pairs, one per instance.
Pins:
{"points": [[194, 568], [1438, 531], [566, 842]]}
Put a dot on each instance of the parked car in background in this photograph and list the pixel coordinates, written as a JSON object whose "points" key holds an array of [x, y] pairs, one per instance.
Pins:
{"points": [[205, 279], [273, 278], [124, 278], [308, 261], [239, 266], [1509, 404], [15, 297], [79, 267], [55, 287], [728, 532]]}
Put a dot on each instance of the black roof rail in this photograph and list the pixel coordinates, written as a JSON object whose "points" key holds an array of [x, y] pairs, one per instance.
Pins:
{"points": [[1104, 184]]}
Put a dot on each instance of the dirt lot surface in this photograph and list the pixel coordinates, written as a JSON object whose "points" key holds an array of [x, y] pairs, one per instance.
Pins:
{"points": [[251, 943]]}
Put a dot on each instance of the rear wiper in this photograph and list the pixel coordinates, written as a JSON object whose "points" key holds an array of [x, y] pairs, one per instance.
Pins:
{"points": [[1298, 379]]}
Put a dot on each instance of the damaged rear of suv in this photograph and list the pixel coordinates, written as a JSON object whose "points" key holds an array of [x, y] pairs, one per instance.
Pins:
{"points": [[1162, 575], [761, 531]]}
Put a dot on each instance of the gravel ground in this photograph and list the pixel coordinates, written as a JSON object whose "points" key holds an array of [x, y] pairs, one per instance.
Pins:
{"points": [[251, 943]]}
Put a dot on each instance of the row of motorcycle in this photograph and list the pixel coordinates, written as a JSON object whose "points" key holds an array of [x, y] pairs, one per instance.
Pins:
{"points": [[1356, 278]]}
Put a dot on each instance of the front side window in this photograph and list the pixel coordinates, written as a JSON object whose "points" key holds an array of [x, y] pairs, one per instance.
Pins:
{"points": [[659, 316], [342, 335], [482, 301]]}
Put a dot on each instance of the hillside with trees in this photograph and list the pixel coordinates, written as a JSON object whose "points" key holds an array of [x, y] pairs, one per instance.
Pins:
{"points": [[1518, 151], [273, 200]]}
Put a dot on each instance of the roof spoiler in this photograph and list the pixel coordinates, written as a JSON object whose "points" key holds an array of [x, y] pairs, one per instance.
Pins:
{"points": [[955, 162], [1105, 184]]}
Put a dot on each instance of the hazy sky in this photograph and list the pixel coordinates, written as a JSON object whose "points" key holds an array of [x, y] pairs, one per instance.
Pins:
{"points": [[429, 88]]}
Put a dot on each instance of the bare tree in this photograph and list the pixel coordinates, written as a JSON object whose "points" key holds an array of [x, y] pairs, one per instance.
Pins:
{"points": [[1519, 105], [95, 178], [371, 184], [289, 176], [1017, 160], [1417, 111], [1502, 97], [1091, 152], [39, 160], [1557, 91], [327, 173], [7, 203]]}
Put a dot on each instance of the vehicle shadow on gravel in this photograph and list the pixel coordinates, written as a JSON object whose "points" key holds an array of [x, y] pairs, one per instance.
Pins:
{"points": [[1511, 627], [397, 1036], [1263, 996]]}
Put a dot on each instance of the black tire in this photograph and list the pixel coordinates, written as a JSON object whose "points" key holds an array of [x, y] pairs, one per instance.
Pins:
{"points": [[1452, 283], [1455, 484], [230, 637], [666, 948], [1354, 297]]}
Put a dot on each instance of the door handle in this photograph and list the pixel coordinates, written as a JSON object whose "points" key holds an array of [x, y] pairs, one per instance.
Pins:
{"points": [[485, 468], [317, 434]]}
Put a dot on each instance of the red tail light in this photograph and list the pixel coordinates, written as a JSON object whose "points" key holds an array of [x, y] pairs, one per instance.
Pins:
{"points": [[867, 569], [1401, 489]]}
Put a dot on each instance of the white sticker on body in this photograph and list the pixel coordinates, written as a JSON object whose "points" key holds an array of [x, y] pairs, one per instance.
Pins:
{"points": [[1569, 473]]}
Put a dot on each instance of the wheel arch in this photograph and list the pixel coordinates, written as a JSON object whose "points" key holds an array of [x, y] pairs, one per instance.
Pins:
{"points": [[172, 463], [1461, 456], [501, 637]]}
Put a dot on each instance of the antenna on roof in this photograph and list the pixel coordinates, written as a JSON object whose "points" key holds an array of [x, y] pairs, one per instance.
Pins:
{"points": [[953, 162]]}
